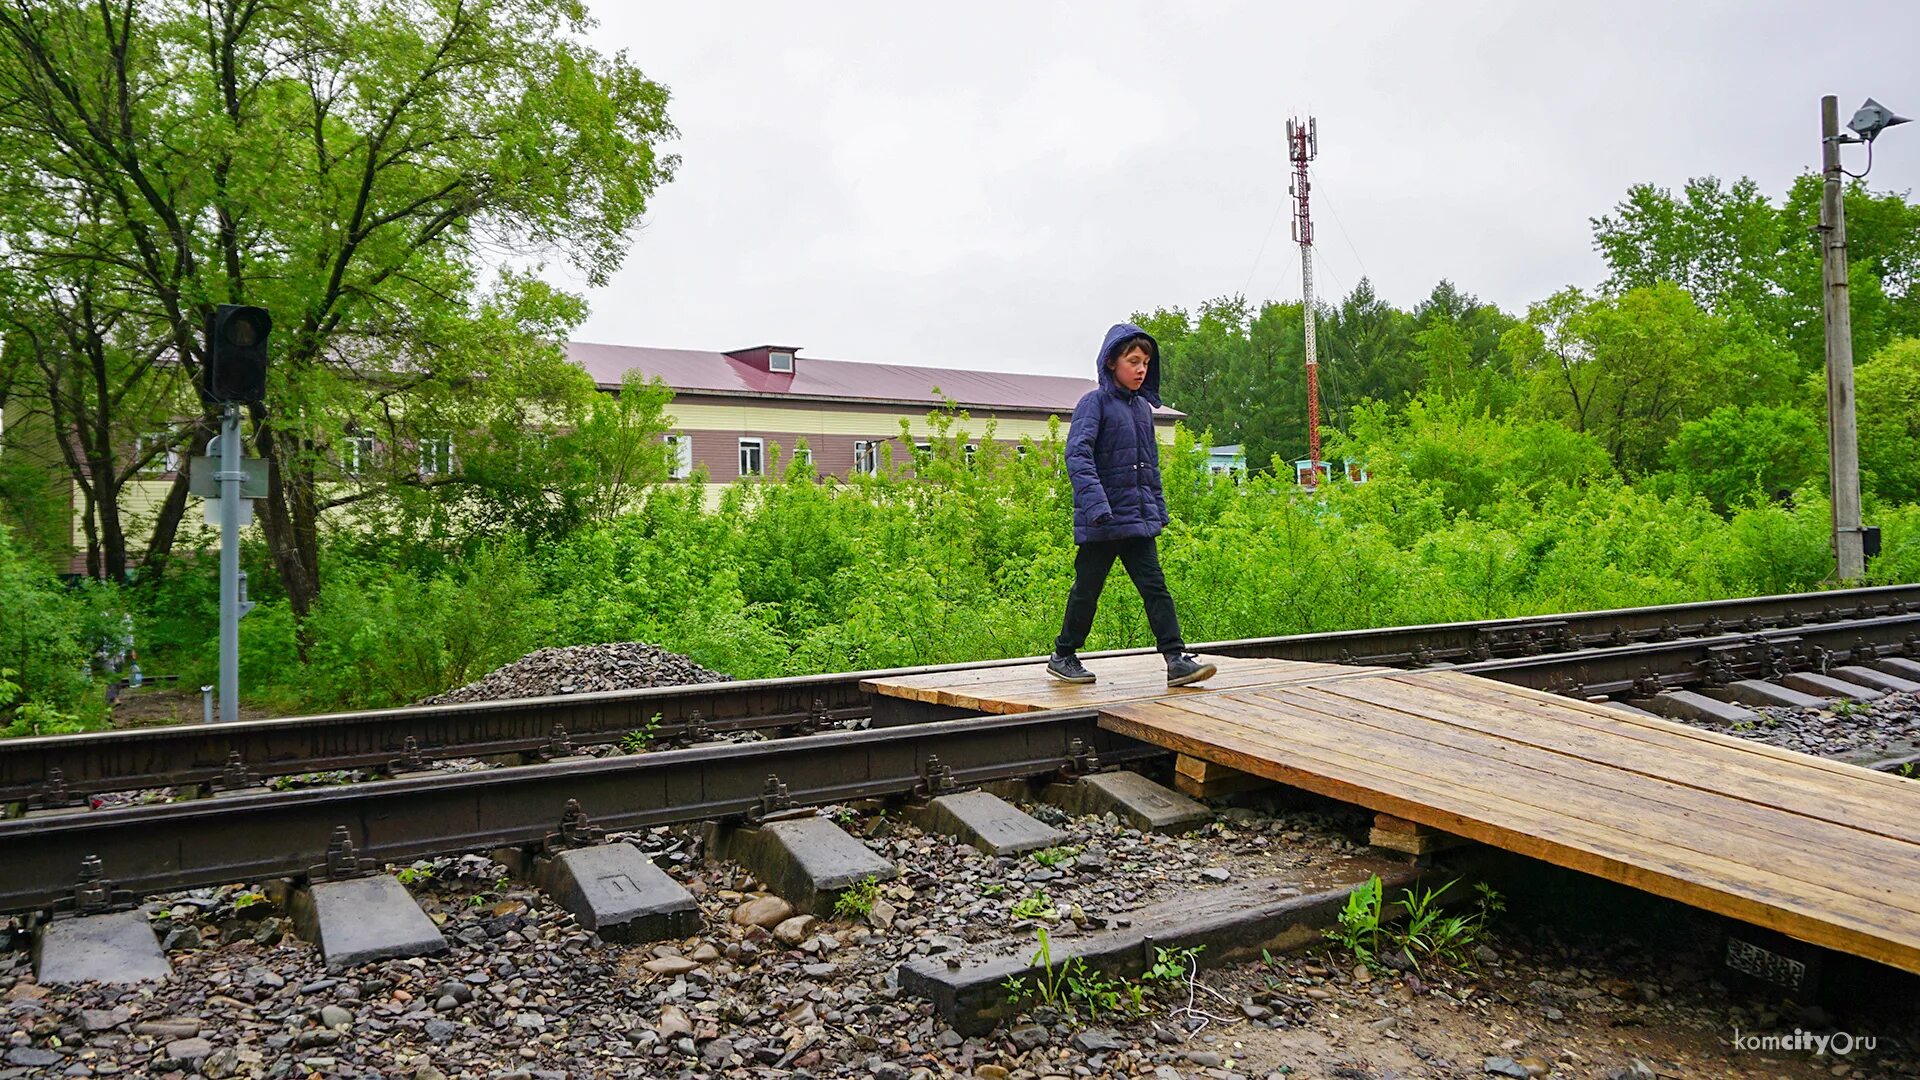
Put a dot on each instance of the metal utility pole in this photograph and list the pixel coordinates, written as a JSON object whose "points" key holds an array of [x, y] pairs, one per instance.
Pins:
{"points": [[1843, 449], [230, 475], [1303, 145]]}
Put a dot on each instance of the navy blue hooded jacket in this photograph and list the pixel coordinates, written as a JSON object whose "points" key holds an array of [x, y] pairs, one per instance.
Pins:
{"points": [[1113, 459]]}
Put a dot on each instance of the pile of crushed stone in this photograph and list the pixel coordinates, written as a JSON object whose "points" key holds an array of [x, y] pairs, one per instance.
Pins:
{"points": [[582, 669]]}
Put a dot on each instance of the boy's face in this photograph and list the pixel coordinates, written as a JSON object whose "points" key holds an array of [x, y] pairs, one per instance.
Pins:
{"points": [[1130, 370]]}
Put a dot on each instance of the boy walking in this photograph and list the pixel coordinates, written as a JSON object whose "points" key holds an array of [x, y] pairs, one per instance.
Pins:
{"points": [[1118, 508]]}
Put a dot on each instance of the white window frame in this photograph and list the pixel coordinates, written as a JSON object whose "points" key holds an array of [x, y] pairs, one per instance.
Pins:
{"points": [[866, 457], [972, 449], [759, 448], [432, 450], [1021, 450], [167, 462], [922, 452], [780, 362], [803, 455], [679, 456], [357, 454]]}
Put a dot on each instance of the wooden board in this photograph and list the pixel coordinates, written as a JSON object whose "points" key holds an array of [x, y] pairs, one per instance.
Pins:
{"points": [[1022, 688], [1824, 852]]}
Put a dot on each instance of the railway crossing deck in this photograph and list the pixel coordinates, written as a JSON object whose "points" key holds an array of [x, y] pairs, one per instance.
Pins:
{"points": [[1821, 851]]}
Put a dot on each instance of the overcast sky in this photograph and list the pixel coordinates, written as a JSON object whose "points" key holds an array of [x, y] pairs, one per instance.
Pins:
{"points": [[991, 185]]}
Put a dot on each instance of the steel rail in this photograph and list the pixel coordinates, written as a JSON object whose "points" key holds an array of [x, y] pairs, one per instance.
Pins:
{"points": [[53, 770], [249, 836]]}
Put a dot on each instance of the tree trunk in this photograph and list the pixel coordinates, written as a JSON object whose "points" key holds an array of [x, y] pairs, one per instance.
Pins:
{"points": [[166, 527], [291, 545]]}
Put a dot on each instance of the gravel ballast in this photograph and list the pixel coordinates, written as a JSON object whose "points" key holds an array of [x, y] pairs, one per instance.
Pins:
{"points": [[582, 669]]}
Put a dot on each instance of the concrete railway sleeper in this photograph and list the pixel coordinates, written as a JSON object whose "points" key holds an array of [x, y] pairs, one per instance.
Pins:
{"points": [[66, 770]]}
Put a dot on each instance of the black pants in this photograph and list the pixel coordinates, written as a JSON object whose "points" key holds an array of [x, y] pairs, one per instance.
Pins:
{"points": [[1141, 556]]}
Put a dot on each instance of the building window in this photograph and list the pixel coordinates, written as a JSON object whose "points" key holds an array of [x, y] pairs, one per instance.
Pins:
{"points": [[866, 457], [753, 457], [1021, 450], [803, 455], [157, 453], [436, 455], [356, 454], [971, 451], [922, 454], [780, 362], [679, 456]]}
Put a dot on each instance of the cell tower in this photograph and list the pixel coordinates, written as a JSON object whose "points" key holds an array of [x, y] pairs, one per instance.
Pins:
{"points": [[1303, 145]]}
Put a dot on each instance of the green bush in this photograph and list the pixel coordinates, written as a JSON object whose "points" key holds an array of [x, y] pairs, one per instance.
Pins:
{"points": [[49, 633]]}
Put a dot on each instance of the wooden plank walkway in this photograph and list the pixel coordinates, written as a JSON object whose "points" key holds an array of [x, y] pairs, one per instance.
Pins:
{"points": [[1824, 852], [1028, 688]]}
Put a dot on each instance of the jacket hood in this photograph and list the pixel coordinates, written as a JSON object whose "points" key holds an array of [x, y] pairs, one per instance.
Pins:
{"points": [[1111, 346]]}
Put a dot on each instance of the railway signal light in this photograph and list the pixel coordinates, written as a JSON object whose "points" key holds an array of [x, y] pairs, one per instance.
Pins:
{"points": [[236, 364]]}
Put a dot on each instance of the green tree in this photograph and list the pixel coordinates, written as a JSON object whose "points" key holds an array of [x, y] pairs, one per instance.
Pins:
{"points": [[1739, 254], [355, 166], [1887, 401], [1630, 369], [1734, 455]]}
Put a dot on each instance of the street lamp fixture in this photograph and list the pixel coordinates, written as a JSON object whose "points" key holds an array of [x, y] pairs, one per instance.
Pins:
{"points": [[1871, 119]]}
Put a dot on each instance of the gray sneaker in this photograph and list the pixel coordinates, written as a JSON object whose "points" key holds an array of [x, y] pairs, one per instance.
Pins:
{"points": [[1183, 670], [1069, 668]]}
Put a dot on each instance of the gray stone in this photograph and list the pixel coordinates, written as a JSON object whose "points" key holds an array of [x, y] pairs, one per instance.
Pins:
{"points": [[1878, 680], [617, 892], [988, 822], [32, 1056], [1757, 692], [1813, 682], [116, 948], [189, 1049], [362, 920], [808, 860], [94, 1020], [223, 1063], [1029, 1037], [334, 1016], [1096, 1041], [1500, 1066], [1688, 705], [1138, 801], [441, 1032]]}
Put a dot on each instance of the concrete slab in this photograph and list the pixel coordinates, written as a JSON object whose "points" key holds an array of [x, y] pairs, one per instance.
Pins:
{"points": [[618, 893], [1688, 705], [362, 920], [1137, 800], [117, 948], [1898, 665], [1879, 680], [1625, 707], [986, 821], [968, 990], [1813, 682], [809, 860], [1757, 692]]}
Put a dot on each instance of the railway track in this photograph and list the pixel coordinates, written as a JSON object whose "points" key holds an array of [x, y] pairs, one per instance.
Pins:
{"points": [[77, 857], [1617, 647]]}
